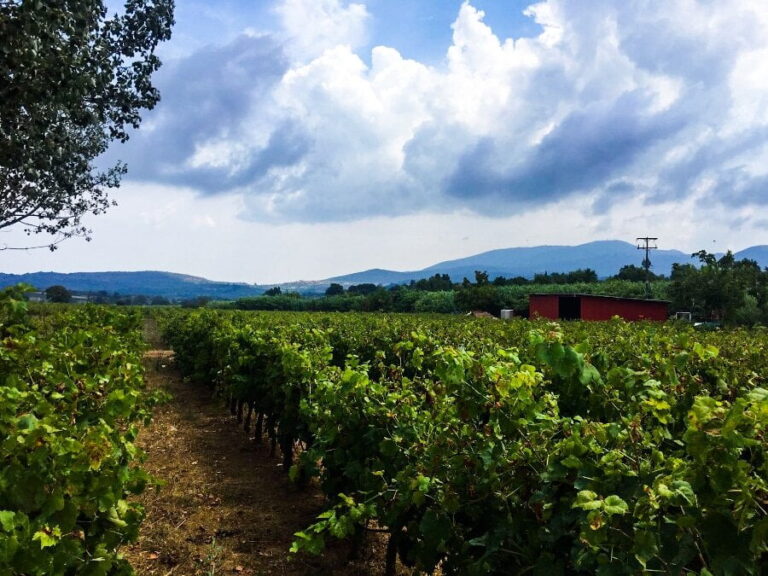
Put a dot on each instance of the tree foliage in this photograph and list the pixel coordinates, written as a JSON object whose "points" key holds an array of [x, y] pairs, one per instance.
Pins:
{"points": [[363, 289], [635, 274], [735, 292], [721, 289], [516, 281], [72, 80], [576, 276], [58, 294], [334, 290], [481, 277], [436, 283]]}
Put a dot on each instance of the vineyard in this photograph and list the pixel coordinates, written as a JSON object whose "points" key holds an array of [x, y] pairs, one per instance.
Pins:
{"points": [[465, 446], [514, 448], [71, 403]]}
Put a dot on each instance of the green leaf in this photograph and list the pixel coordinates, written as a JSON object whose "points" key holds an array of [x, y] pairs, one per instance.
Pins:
{"points": [[571, 462], [705, 352], [588, 500], [683, 490], [572, 362], [47, 537], [702, 411], [435, 527], [759, 543], [615, 505], [27, 422], [7, 518], [311, 543], [589, 374], [646, 548]]}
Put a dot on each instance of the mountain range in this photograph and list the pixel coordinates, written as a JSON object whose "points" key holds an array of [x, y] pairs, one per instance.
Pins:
{"points": [[605, 257], [167, 284]]}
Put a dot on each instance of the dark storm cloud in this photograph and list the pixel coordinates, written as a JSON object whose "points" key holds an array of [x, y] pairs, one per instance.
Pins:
{"points": [[208, 96], [714, 159], [737, 187], [586, 151], [614, 193], [287, 145]]}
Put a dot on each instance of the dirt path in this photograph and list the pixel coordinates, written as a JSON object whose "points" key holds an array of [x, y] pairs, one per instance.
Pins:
{"points": [[226, 506]]}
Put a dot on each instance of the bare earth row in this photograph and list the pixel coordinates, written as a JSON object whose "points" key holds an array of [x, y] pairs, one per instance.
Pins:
{"points": [[225, 506]]}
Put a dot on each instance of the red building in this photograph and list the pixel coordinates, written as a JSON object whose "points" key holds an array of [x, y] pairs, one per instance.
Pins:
{"points": [[593, 307]]}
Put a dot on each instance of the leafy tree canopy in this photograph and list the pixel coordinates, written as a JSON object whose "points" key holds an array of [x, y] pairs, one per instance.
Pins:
{"points": [[721, 288], [481, 277], [199, 302], [436, 283], [635, 274], [72, 80], [581, 275], [58, 294], [334, 290], [516, 281], [363, 289]]}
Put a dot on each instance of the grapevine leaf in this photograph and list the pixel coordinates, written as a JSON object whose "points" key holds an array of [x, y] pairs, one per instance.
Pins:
{"points": [[646, 547], [615, 505], [588, 500], [7, 520], [48, 537]]}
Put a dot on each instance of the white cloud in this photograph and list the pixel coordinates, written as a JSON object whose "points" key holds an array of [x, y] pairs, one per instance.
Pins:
{"points": [[748, 84], [289, 153], [615, 93], [313, 26], [549, 17]]}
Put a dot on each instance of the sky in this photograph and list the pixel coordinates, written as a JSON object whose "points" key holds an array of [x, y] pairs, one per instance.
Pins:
{"points": [[303, 139]]}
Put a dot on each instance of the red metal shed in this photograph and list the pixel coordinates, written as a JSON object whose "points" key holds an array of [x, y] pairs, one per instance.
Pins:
{"points": [[594, 307]]}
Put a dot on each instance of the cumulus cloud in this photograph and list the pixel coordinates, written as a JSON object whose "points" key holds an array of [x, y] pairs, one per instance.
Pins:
{"points": [[215, 128], [605, 103], [313, 26]]}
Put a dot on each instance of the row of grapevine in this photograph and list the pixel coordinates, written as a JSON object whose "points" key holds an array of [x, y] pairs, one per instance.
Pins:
{"points": [[71, 398], [490, 448]]}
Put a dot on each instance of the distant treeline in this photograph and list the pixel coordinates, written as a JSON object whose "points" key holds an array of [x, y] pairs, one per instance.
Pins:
{"points": [[438, 294], [721, 289], [62, 295], [490, 298]]}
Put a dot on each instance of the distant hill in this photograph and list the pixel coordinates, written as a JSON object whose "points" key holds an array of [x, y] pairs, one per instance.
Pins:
{"points": [[167, 284], [379, 276], [604, 257], [757, 253]]}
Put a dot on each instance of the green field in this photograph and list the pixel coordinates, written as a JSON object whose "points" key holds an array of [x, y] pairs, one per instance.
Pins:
{"points": [[476, 446], [489, 447], [71, 402]]}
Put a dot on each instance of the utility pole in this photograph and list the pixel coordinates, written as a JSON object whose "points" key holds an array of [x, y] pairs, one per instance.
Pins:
{"points": [[646, 245]]}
